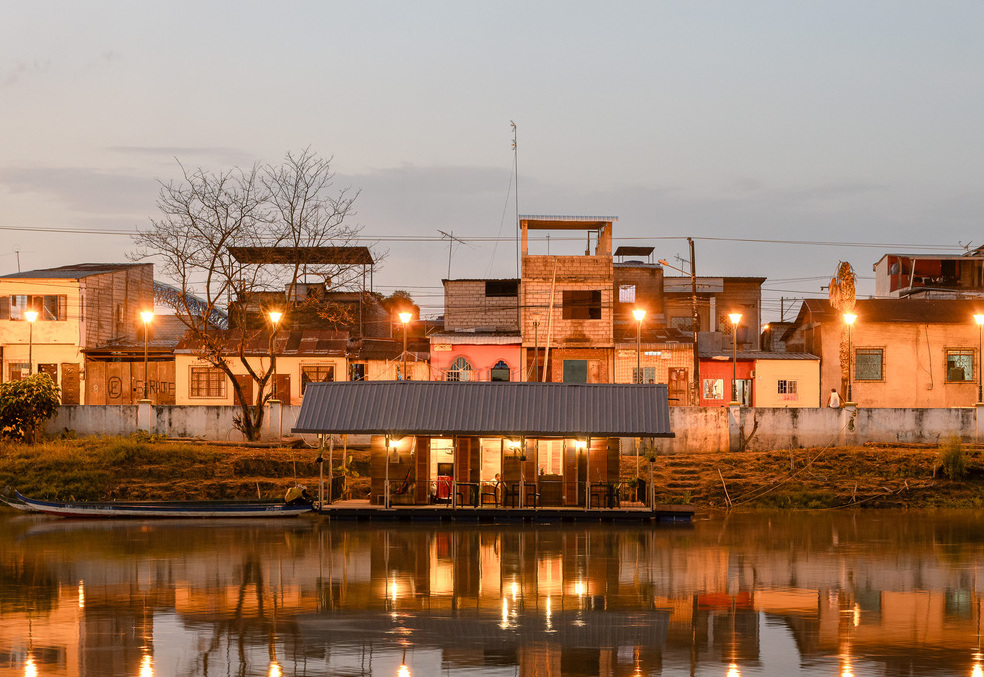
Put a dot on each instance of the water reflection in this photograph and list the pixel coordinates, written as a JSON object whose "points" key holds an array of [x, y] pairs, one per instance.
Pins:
{"points": [[763, 594]]}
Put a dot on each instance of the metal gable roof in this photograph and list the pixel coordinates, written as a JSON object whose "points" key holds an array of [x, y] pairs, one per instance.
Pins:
{"points": [[446, 408]]}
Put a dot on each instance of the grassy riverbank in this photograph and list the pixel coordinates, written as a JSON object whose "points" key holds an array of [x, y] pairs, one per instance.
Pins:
{"points": [[870, 476]]}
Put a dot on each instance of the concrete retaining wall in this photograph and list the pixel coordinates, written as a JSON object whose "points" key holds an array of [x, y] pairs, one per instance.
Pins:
{"points": [[698, 429]]}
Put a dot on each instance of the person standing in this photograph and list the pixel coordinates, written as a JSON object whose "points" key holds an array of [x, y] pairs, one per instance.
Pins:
{"points": [[834, 401]]}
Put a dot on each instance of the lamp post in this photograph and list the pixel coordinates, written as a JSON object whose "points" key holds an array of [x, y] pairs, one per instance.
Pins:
{"points": [[275, 316], [638, 314], [30, 316], [979, 319], [146, 316], [405, 319], [849, 319], [735, 319]]}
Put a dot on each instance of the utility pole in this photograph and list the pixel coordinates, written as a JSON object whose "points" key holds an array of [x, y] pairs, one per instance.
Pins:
{"points": [[696, 321]]}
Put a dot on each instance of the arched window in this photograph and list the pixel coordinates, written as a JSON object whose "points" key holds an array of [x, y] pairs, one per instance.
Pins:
{"points": [[460, 370], [500, 372]]}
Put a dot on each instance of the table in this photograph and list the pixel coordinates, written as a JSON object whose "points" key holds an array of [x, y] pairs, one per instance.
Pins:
{"points": [[471, 488]]}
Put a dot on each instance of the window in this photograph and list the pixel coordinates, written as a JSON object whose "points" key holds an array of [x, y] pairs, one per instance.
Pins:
{"points": [[51, 307], [582, 304], [550, 456], [648, 375], [18, 370], [788, 391], [683, 323], [869, 364], [207, 382], [500, 372], [713, 389], [501, 288], [460, 370], [357, 371], [575, 371], [959, 365], [316, 373], [626, 293]]}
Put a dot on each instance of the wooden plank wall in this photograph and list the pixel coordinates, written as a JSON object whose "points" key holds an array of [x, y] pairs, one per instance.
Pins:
{"points": [[123, 382]]}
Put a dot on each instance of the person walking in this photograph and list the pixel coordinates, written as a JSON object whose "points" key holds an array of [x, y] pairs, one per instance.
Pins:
{"points": [[834, 401]]}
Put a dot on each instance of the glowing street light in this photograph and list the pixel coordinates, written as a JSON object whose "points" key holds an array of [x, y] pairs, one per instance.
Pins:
{"points": [[979, 319], [849, 320], [30, 316], [639, 314], [146, 316], [275, 316], [735, 319], [405, 319]]}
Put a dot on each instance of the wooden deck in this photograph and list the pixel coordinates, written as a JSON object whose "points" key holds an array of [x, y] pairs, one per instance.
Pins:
{"points": [[362, 510]]}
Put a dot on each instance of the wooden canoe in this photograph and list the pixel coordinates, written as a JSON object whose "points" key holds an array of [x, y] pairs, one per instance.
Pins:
{"points": [[159, 509]]}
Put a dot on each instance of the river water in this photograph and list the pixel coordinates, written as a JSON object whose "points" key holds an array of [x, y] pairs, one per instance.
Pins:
{"points": [[868, 593]]}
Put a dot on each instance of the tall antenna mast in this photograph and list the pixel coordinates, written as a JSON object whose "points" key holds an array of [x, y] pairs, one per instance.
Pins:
{"points": [[515, 148], [451, 240]]}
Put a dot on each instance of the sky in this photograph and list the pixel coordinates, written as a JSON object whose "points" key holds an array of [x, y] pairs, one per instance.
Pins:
{"points": [[782, 136]]}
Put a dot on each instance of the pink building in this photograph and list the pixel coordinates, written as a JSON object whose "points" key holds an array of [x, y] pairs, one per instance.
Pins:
{"points": [[477, 356]]}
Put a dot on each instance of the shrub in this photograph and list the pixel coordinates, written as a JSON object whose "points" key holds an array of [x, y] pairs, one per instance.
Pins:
{"points": [[25, 405], [952, 458]]}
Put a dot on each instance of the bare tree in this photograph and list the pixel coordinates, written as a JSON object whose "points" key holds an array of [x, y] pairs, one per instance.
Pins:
{"points": [[291, 205]]}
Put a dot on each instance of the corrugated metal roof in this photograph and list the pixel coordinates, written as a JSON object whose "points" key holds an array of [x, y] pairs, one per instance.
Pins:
{"points": [[72, 272], [756, 355], [445, 408]]}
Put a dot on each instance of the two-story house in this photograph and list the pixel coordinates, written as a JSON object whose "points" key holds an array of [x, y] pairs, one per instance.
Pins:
{"points": [[76, 307]]}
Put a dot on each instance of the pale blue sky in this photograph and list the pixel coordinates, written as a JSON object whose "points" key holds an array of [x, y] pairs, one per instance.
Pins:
{"points": [[834, 121]]}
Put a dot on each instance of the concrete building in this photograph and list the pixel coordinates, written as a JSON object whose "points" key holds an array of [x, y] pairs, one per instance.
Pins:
{"points": [[930, 276], [567, 302], [79, 307], [903, 352]]}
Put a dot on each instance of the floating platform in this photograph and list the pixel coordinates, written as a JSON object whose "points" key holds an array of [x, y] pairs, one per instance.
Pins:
{"points": [[363, 511]]}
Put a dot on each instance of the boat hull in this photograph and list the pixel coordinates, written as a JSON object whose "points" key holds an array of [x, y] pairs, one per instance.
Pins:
{"points": [[87, 509]]}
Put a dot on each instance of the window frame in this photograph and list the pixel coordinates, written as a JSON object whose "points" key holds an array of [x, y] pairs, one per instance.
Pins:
{"points": [[869, 351], [194, 382], [330, 368], [581, 304], [496, 368], [966, 352], [44, 304], [708, 394], [455, 371]]}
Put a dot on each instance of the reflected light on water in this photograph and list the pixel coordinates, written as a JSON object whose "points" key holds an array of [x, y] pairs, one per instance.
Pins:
{"points": [[81, 594], [579, 588], [146, 666], [733, 670], [515, 590], [857, 615], [977, 670], [274, 670], [30, 669], [403, 671]]}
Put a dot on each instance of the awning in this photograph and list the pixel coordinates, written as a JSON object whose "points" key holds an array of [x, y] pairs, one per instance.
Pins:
{"points": [[441, 408]]}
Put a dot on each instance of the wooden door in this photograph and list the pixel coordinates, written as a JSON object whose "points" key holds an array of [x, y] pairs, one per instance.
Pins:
{"points": [[70, 383], [678, 387], [245, 381], [282, 391]]}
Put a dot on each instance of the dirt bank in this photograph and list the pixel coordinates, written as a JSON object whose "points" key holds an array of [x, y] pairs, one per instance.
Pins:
{"points": [[869, 476]]}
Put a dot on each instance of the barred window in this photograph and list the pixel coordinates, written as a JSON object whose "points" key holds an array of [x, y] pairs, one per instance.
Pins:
{"points": [[460, 370], [713, 389], [786, 387], [207, 382], [869, 364], [648, 375], [316, 373], [959, 365]]}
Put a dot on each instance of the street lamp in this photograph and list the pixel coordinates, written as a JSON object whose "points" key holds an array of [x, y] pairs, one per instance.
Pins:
{"points": [[979, 319], [275, 316], [638, 314], [735, 319], [146, 316], [405, 319], [849, 319], [30, 316]]}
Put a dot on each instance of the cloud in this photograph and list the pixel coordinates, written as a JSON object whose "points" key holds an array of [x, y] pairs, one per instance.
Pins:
{"points": [[218, 155], [86, 190], [11, 76]]}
